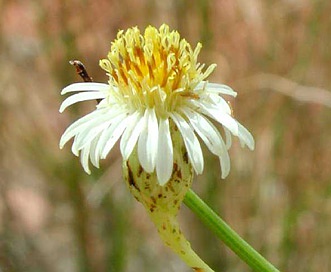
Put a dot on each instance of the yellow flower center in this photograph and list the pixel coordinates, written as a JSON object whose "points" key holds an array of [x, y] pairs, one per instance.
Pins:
{"points": [[156, 69]]}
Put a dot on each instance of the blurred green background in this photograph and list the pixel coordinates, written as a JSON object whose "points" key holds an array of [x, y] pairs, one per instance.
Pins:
{"points": [[276, 54]]}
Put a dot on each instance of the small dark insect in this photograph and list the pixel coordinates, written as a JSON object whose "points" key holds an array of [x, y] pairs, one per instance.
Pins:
{"points": [[81, 70]]}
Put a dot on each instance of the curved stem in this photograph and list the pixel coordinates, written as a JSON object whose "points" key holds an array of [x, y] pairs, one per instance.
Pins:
{"points": [[224, 232], [169, 231]]}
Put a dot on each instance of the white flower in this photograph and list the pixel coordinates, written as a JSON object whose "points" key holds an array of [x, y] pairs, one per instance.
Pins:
{"points": [[154, 80]]}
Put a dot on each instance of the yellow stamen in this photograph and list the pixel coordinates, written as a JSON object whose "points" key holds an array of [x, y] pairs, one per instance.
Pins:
{"points": [[157, 59]]}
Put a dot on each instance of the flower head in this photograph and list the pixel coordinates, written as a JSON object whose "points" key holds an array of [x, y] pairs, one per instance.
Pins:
{"points": [[155, 83]]}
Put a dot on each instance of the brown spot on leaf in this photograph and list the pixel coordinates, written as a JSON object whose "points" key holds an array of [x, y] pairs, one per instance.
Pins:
{"points": [[185, 157], [176, 170], [131, 178], [152, 208], [140, 170]]}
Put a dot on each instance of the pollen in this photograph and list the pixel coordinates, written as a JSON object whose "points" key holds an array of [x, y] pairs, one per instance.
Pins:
{"points": [[154, 69]]}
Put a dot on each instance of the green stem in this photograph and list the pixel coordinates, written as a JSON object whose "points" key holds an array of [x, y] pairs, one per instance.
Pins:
{"points": [[223, 231]]}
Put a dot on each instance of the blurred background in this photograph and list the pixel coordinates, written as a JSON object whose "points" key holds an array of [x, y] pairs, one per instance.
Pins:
{"points": [[275, 54]]}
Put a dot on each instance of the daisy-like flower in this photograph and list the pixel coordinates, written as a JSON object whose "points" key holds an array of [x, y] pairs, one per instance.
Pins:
{"points": [[155, 80], [159, 103]]}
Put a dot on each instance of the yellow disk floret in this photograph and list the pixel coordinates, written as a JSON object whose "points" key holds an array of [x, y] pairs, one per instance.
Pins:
{"points": [[154, 69]]}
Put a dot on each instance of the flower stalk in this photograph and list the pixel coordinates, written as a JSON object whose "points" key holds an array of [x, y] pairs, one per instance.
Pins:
{"points": [[226, 234], [162, 202]]}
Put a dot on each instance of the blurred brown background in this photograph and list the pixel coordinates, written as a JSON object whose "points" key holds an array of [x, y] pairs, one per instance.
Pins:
{"points": [[276, 54]]}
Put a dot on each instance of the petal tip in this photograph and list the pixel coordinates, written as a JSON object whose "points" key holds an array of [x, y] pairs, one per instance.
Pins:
{"points": [[224, 174], [252, 146], [163, 182]]}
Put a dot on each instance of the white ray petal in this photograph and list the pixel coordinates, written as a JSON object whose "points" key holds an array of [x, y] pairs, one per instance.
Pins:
{"points": [[84, 156], [89, 134], [211, 137], [87, 131], [216, 88], [191, 142], [142, 142], [147, 142], [79, 98], [207, 132], [220, 103], [246, 137], [228, 138], [92, 151], [164, 160], [85, 86], [86, 121], [106, 134], [131, 135], [114, 133], [220, 116], [153, 133], [225, 164], [73, 129]]}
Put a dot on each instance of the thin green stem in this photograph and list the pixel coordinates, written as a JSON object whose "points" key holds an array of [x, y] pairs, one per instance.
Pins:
{"points": [[224, 232]]}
